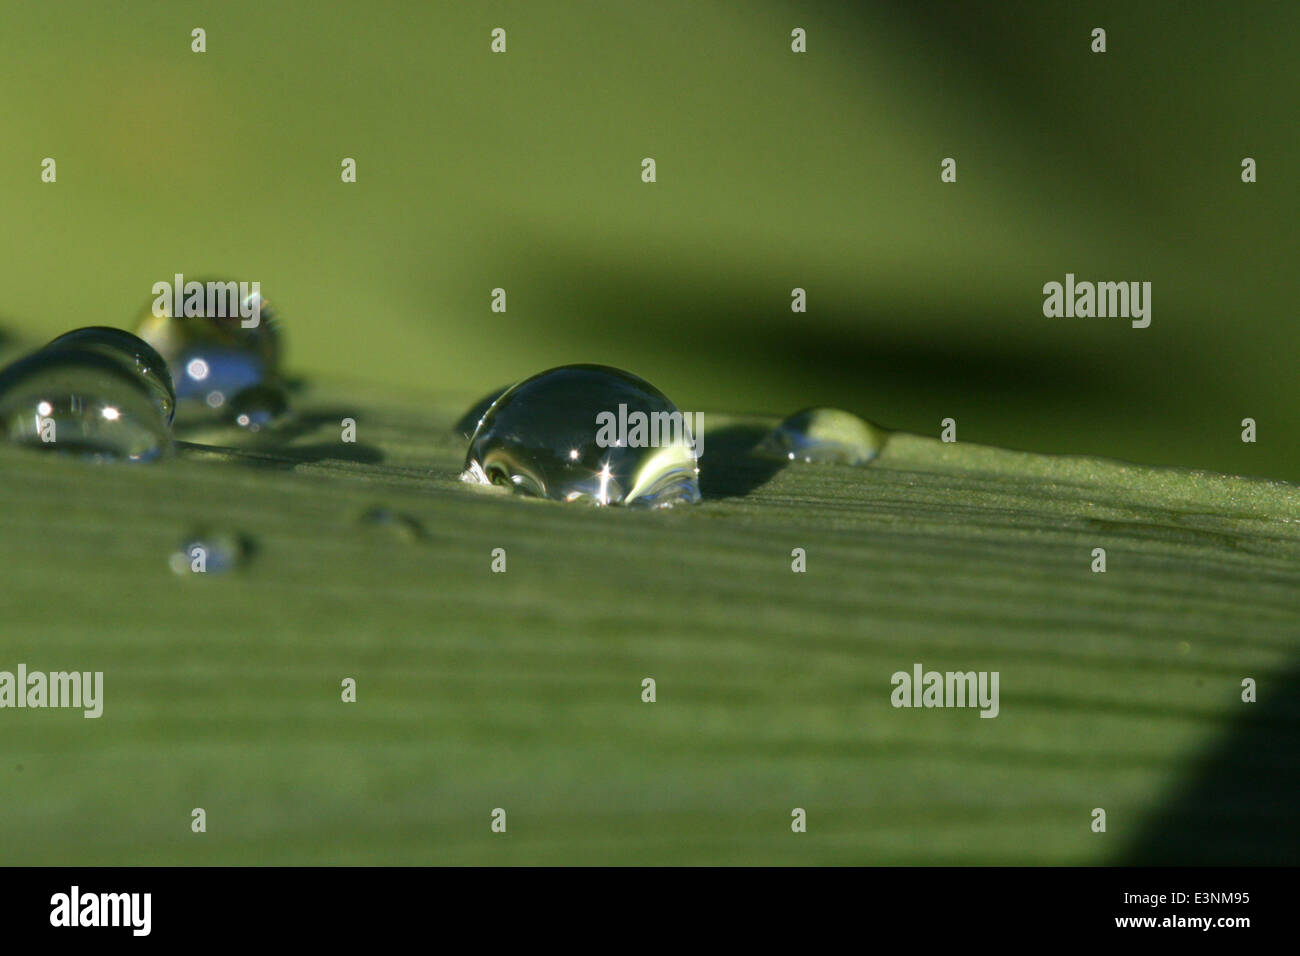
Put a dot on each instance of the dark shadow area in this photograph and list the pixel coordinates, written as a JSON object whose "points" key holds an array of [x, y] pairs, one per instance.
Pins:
{"points": [[1011, 377], [727, 469], [945, 351], [275, 448], [466, 424], [903, 367], [248, 547], [325, 451], [279, 458], [286, 457], [948, 367], [1239, 805]]}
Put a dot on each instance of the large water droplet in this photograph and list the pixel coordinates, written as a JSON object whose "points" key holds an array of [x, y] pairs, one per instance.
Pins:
{"points": [[84, 402], [134, 351], [213, 357], [543, 437], [823, 436]]}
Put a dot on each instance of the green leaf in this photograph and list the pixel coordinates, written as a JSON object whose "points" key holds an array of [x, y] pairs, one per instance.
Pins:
{"points": [[478, 690]]}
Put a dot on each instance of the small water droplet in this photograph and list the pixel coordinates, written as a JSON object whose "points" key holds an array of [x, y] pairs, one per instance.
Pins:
{"points": [[258, 407], [393, 522], [542, 438], [138, 354], [84, 402], [213, 358], [211, 551], [823, 436]]}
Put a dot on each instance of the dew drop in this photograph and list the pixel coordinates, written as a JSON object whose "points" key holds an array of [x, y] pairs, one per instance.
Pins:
{"points": [[134, 351], [211, 551], [258, 407], [823, 436], [394, 523], [83, 402], [542, 437], [212, 358]]}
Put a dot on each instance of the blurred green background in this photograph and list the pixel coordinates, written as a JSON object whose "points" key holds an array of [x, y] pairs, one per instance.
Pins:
{"points": [[775, 170]]}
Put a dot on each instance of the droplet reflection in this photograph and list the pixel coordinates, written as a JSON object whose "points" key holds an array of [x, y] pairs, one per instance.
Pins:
{"points": [[84, 402], [541, 438]]}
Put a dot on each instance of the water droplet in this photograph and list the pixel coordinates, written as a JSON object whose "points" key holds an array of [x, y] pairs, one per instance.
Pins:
{"points": [[542, 438], [138, 355], [258, 407], [211, 551], [213, 358], [84, 402], [823, 436], [393, 522]]}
